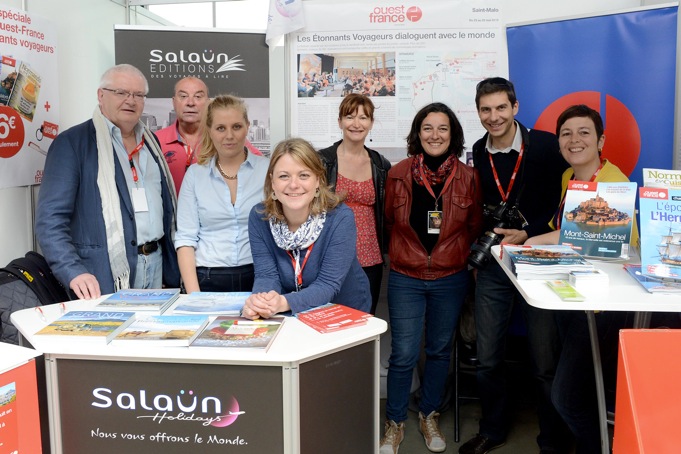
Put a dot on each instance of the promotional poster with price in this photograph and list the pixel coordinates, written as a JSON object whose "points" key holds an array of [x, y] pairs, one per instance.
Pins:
{"points": [[29, 95]]}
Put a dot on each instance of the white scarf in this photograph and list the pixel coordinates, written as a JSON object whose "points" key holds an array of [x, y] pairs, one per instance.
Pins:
{"points": [[111, 207]]}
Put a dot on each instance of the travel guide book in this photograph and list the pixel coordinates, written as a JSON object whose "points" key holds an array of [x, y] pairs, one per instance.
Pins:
{"points": [[91, 326], [660, 212], [598, 217], [333, 317], [661, 178], [161, 330], [653, 284], [210, 303], [154, 301], [239, 332], [552, 261]]}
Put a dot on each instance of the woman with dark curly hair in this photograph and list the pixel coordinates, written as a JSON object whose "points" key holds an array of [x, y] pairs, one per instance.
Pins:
{"points": [[433, 214]]}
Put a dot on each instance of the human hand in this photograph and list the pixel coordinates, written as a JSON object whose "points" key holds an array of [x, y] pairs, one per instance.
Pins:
{"points": [[512, 236], [264, 305], [85, 286]]}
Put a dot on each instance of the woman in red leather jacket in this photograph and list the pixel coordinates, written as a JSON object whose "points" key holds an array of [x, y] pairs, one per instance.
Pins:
{"points": [[433, 213]]}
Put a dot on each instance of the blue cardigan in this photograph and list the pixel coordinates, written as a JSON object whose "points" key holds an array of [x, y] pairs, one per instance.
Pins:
{"points": [[331, 274]]}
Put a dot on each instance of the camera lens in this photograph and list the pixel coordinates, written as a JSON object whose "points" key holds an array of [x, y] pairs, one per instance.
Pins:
{"points": [[481, 251]]}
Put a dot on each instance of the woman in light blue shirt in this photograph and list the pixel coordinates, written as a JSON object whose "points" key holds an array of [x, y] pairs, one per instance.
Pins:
{"points": [[215, 200]]}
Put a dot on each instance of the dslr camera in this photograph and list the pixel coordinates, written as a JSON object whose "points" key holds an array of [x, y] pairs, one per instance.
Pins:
{"points": [[503, 216]]}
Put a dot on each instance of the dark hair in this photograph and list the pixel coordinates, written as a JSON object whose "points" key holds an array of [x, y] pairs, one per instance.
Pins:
{"points": [[351, 104], [581, 110], [456, 142], [495, 85]]}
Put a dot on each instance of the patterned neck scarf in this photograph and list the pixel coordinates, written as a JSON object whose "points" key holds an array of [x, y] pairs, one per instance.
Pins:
{"points": [[302, 238], [434, 178]]}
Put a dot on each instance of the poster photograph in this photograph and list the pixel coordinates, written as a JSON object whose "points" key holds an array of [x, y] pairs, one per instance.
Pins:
{"points": [[403, 56]]}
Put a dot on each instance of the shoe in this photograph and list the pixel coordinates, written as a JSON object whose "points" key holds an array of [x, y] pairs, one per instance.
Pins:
{"points": [[480, 445], [394, 434], [435, 441]]}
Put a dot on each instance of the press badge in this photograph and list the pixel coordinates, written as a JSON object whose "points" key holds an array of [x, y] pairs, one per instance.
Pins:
{"points": [[139, 200], [434, 222]]}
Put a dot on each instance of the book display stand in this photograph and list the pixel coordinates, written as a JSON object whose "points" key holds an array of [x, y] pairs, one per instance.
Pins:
{"points": [[309, 393]]}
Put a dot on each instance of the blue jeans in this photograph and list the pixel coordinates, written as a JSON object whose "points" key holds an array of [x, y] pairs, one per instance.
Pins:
{"points": [[413, 303], [226, 279], [574, 388], [149, 271], [495, 296]]}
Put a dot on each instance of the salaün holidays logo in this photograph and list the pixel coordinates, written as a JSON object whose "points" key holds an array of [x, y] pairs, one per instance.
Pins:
{"points": [[395, 14], [185, 406], [622, 135]]}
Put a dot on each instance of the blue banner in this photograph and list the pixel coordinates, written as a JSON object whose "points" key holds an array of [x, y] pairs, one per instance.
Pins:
{"points": [[622, 65]]}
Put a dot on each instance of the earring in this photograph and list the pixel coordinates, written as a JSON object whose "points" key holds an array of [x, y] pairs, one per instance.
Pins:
{"points": [[274, 196], [316, 193]]}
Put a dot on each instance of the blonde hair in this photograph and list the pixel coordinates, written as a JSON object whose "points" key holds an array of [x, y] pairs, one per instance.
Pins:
{"points": [[208, 149], [304, 154]]}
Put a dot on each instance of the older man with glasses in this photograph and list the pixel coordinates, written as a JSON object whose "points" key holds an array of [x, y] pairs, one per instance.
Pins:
{"points": [[106, 210]]}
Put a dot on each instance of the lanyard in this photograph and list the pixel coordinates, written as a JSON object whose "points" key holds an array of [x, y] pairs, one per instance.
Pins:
{"points": [[188, 151], [298, 268], [504, 197], [558, 217], [132, 163], [426, 183]]}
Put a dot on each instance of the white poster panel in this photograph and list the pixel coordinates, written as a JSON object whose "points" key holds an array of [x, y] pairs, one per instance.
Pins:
{"points": [[29, 95], [402, 55]]}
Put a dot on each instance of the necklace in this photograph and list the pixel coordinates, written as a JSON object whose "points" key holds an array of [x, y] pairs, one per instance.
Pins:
{"points": [[230, 177]]}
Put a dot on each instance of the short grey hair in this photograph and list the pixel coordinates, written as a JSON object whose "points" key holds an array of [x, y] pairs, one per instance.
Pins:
{"points": [[125, 68]]}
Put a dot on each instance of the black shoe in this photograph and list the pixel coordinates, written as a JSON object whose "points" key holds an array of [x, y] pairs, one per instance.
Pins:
{"points": [[480, 445]]}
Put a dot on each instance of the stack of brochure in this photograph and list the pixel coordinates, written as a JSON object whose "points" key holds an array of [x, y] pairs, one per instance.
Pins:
{"points": [[553, 261], [151, 301], [589, 280]]}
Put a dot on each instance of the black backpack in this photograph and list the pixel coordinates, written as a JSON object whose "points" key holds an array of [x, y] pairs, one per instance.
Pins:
{"points": [[26, 282]]}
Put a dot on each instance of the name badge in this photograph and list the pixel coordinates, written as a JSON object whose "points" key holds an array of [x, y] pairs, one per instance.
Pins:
{"points": [[434, 222], [139, 200]]}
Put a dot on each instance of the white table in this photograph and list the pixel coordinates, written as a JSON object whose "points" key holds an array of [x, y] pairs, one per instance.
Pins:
{"points": [[622, 294], [308, 393]]}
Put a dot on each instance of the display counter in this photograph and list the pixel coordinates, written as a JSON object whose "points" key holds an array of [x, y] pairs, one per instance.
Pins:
{"points": [[309, 393]]}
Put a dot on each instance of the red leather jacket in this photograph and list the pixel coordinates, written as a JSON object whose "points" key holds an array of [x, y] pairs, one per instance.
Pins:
{"points": [[461, 224]]}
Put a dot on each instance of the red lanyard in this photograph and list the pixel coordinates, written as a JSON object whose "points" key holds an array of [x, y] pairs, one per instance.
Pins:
{"points": [[426, 183], [298, 270], [558, 217], [504, 197], [132, 163], [188, 151]]}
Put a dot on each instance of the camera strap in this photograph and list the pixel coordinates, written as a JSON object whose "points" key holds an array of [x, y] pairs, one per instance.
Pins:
{"points": [[504, 196]]}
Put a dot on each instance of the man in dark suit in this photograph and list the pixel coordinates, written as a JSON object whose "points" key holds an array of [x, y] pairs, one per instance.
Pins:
{"points": [[106, 211]]}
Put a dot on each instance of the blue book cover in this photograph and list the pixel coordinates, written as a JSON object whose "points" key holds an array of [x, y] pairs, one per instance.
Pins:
{"points": [[660, 210], [598, 217], [210, 303], [156, 300]]}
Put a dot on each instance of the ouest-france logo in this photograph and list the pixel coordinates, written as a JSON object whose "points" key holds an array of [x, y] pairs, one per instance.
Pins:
{"points": [[185, 406], [395, 14]]}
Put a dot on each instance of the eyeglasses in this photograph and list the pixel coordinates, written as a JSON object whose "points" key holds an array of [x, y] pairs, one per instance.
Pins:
{"points": [[197, 97], [124, 94]]}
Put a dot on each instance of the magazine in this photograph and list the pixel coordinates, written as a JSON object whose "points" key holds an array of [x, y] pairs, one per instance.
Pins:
{"points": [[332, 317], [210, 303], [161, 330], [660, 210], [548, 262], [239, 332], [662, 178], [653, 284], [8, 78], [598, 218], [93, 326], [153, 301]]}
